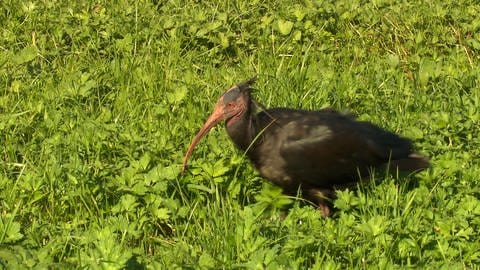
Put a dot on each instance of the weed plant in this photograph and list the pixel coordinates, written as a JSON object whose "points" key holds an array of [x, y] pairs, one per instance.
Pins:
{"points": [[100, 99]]}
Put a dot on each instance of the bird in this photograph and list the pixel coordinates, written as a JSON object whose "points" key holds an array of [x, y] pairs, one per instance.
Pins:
{"points": [[313, 153]]}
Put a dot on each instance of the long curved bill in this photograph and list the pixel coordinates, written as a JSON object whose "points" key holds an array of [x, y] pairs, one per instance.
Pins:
{"points": [[216, 117]]}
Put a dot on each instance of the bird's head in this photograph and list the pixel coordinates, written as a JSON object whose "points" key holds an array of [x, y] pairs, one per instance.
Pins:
{"points": [[230, 106]]}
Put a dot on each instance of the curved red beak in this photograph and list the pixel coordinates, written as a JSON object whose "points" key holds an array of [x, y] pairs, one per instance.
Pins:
{"points": [[216, 117]]}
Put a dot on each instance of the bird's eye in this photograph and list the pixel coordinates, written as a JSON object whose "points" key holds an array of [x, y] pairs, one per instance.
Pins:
{"points": [[230, 105]]}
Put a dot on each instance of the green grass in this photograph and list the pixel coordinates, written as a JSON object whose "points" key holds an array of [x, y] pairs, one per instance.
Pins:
{"points": [[99, 102]]}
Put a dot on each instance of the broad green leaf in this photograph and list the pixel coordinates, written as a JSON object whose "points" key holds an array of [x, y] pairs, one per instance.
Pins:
{"points": [[413, 132], [162, 213], [297, 35], [393, 60], [144, 161], [299, 13], [9, 231], [284, 26], [27, 54], [200, 187], [177, 95], [16, 86], [206, 261]]}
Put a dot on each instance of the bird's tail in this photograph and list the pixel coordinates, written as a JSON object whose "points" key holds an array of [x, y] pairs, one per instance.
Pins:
{"points": [[413, 163]]}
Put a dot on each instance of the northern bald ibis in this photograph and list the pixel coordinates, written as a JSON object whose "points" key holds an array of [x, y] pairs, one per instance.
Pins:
{"points": [[315, 152]]}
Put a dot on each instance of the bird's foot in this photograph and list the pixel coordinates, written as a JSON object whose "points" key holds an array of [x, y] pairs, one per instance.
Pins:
{"points": [[324, 209]]}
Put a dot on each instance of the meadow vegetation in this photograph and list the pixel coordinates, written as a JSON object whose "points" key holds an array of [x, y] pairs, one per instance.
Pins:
{"points": [[100, 99]]}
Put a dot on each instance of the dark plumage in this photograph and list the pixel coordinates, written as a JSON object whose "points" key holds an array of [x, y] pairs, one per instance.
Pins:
{"points": [[314, 151]]}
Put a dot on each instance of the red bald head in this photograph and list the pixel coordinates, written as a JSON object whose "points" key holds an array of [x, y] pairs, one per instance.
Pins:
{"points": [[230, 106]]}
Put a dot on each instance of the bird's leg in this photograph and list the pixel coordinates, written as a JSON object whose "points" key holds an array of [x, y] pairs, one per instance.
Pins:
{"points": [[323, 207], [321, 197]]}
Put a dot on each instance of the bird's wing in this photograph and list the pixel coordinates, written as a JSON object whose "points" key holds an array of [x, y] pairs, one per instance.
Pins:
{"points": [[334, 148]]}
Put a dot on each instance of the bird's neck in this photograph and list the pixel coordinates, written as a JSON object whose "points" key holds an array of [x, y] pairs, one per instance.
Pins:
{"points": [[242, 130]]}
